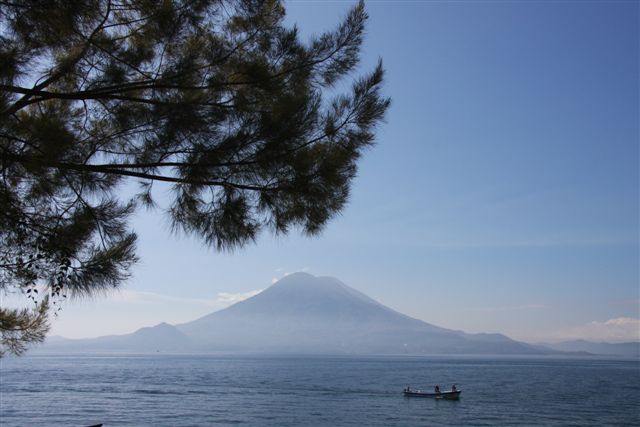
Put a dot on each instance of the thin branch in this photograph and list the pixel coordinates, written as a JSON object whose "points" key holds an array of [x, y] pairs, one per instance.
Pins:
{"points": [[122, 172]]}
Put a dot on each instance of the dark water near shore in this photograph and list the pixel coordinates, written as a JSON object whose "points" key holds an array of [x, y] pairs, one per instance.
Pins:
{"points": [[315, 391]]}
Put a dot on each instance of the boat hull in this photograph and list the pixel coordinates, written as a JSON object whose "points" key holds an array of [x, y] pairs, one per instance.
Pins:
{"points": [[448, 395]]}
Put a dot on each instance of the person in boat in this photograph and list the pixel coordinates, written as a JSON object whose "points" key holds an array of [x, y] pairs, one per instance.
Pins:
{"points": [[454, 388], [437, 389]]}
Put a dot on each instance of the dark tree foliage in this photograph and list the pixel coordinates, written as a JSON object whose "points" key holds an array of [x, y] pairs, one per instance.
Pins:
{"points": [[19, 328], [215, 97]]}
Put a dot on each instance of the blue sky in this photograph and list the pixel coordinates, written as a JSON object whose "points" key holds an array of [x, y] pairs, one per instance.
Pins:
{"points": [[502, 195]]}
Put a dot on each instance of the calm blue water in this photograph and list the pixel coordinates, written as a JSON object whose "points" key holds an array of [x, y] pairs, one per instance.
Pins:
{"points": [[315, 391]]}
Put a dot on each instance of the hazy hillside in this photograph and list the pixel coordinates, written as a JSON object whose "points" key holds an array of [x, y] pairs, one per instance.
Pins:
{"points": [[162, 337], [628, 349], [303, 314]]}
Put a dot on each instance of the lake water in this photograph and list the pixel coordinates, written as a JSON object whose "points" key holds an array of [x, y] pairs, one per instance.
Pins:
{"points": [[168, 390]]}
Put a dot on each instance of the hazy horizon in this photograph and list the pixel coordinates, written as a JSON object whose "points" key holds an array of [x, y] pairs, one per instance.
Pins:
{"points": [[625, 327]]}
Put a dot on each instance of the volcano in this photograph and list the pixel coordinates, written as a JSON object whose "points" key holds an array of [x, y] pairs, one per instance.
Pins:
{"points": [[304, 314]]}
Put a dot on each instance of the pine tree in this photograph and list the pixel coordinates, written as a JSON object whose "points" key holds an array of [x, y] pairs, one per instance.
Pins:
{"points": [[217, 98]]}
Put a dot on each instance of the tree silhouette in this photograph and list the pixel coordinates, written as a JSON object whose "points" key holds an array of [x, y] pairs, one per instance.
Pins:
{"points": [[218, 98]]}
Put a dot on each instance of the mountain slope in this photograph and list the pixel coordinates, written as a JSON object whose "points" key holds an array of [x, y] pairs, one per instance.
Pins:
{"points": [[627, 349], [162, 337], [303, 313]]}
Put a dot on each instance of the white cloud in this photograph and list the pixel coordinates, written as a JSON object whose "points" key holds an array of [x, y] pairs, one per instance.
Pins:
{"points": [[282, 273], [230, 298], [221, 300], [620, 321], [620, 329]]}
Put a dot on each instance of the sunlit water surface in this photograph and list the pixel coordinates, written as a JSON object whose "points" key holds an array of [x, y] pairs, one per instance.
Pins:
{"points": [[164, 390]]}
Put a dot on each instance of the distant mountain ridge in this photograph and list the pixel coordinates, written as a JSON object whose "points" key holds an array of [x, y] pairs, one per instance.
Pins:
{"points": [[308, 314], [627, 349], [302, 313]]}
